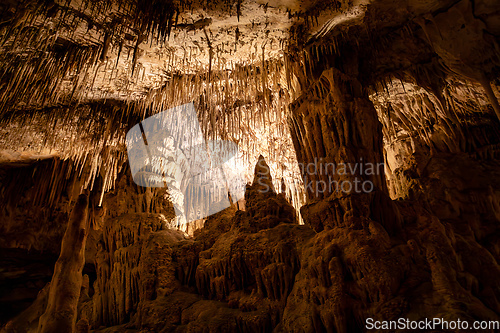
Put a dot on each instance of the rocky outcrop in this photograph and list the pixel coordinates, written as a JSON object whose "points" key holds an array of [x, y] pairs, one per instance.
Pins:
{"points": [[235, 274]]}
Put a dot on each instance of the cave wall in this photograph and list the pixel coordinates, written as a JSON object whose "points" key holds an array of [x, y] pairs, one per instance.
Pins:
{"points": [[376, 258], [410, 258]]}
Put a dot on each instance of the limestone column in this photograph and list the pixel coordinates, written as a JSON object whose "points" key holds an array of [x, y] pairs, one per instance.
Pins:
{"points": [[61, 312], [338, 140]]}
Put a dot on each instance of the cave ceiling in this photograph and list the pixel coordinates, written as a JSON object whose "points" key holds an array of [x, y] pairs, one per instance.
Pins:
{"points": [[76, 75]]}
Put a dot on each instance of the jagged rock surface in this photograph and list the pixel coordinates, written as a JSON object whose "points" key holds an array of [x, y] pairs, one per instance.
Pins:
{"points": [[234, 275]]}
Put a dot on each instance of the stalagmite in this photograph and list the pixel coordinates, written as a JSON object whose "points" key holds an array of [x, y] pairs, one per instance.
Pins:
{"points": [[64, 293]]}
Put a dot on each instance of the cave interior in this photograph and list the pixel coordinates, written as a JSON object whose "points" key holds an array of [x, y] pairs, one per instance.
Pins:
{"points": [[249, 165]]}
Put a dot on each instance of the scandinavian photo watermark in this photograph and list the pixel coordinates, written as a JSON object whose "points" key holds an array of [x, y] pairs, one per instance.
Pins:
{"points": [[321, 177]]}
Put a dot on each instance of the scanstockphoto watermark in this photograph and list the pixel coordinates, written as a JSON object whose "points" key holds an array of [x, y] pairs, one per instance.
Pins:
{"points": [[431, 324]]}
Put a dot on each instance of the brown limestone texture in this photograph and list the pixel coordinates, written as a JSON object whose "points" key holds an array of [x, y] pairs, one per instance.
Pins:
{"points": [[64, 290]]}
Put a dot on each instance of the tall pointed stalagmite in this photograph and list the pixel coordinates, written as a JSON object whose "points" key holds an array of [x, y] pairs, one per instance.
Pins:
{"points": [[61, 312]]}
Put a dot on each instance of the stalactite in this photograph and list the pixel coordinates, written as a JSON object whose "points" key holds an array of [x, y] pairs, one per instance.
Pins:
{"points": [[248, 115]]}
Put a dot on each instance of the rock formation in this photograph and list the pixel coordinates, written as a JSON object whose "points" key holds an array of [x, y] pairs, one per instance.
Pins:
{"points": [[64, 290], [368, 135]]}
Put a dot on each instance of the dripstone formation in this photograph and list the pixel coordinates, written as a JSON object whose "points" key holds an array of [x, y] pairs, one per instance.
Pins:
{"points": [[368, 136]]}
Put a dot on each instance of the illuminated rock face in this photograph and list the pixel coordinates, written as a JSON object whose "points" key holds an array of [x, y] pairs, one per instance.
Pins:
{"points": [[369, 133], [236, 268], [377, 258]]}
